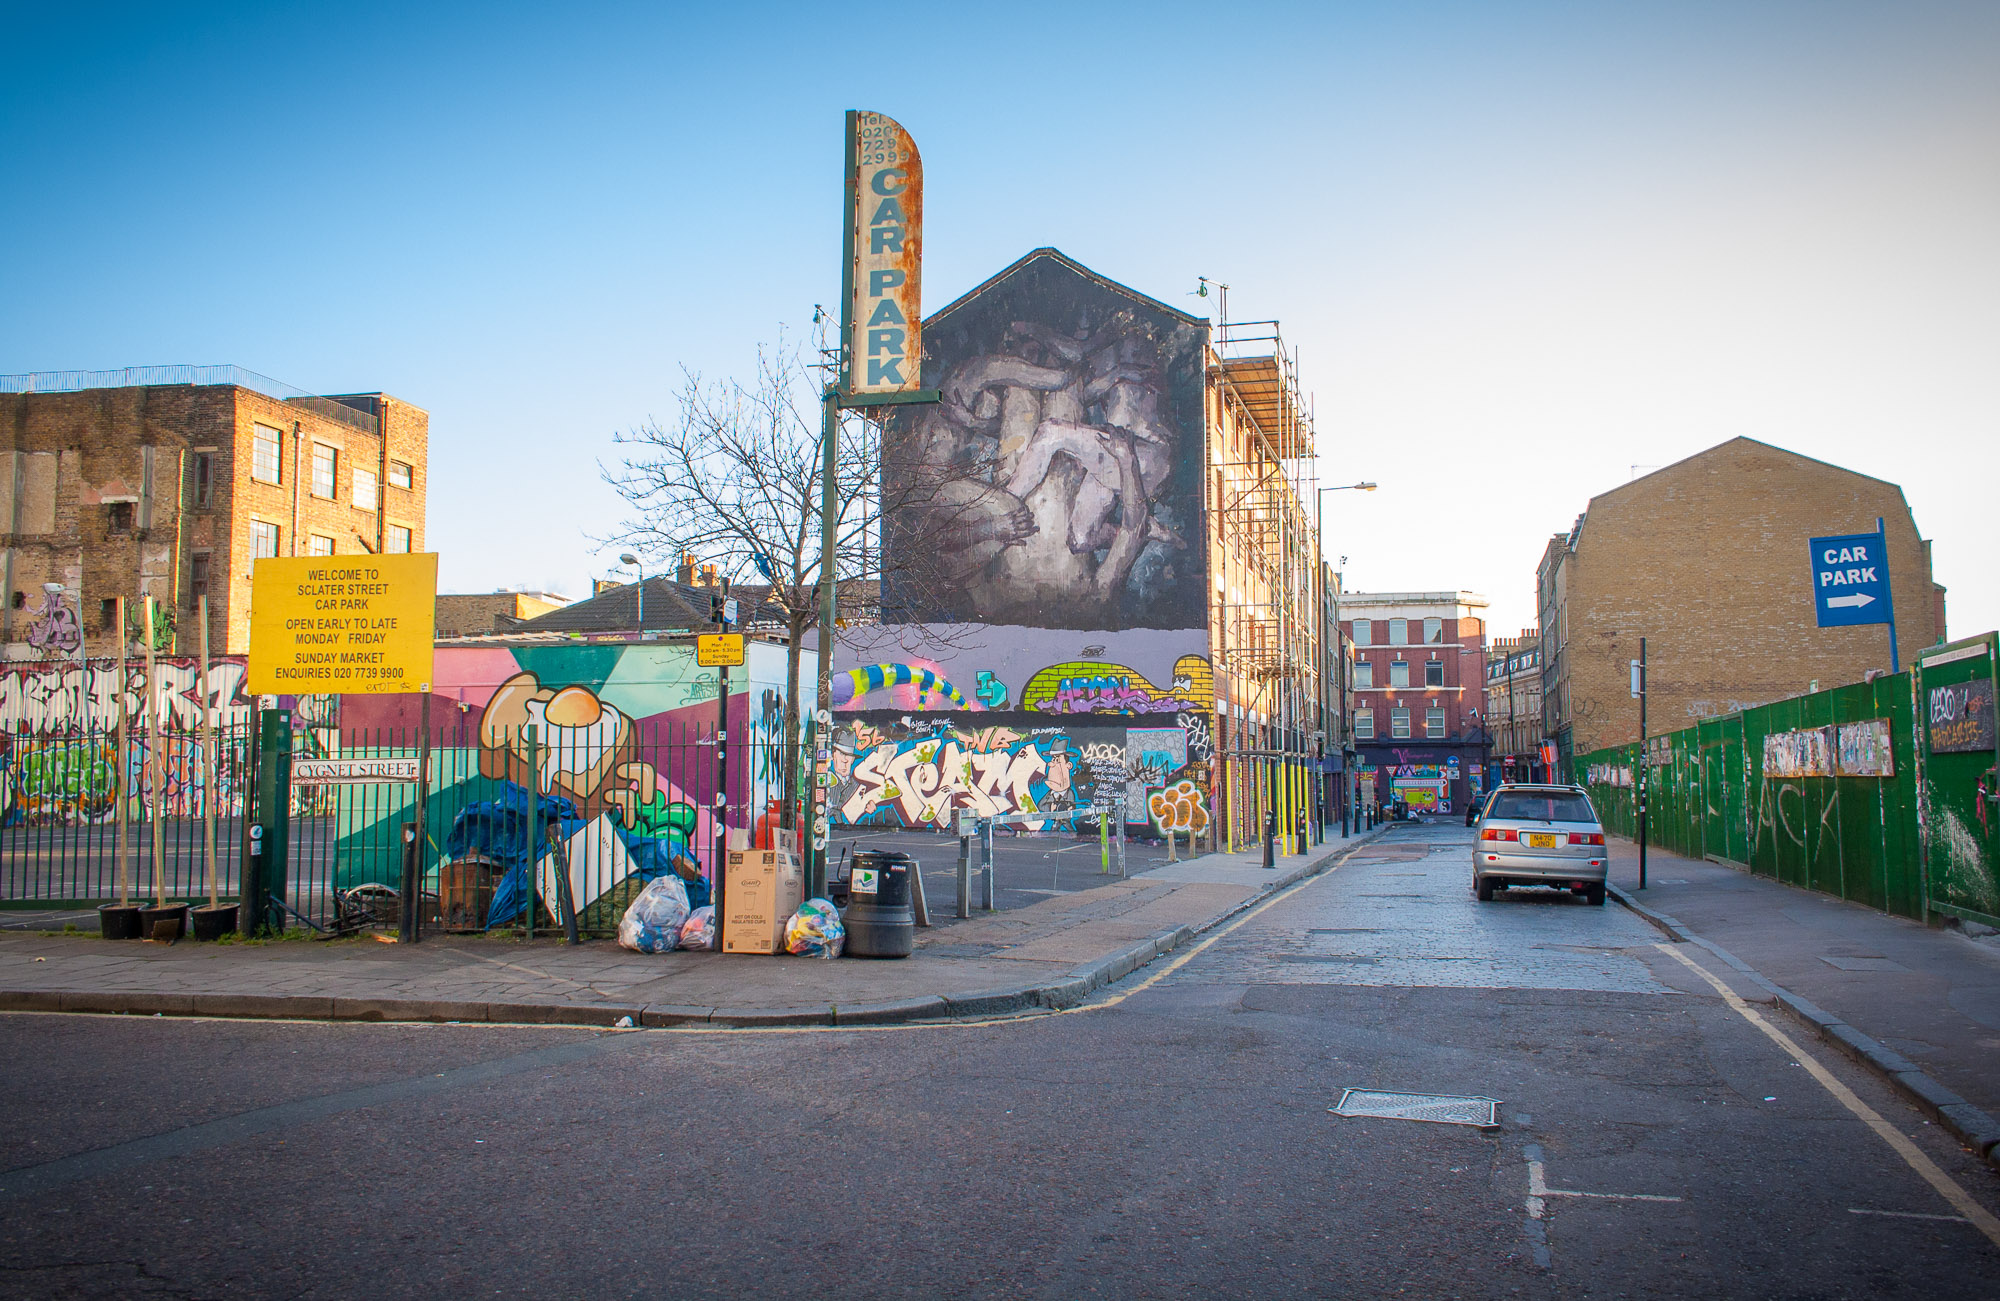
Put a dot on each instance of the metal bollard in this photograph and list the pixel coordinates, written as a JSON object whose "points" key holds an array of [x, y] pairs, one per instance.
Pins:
{"points": [[986, 865], [965, 876]]}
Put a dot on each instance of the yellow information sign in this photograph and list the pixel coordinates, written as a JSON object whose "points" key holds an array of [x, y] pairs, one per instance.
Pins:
{"points": [[358, 624], [718, 650]]}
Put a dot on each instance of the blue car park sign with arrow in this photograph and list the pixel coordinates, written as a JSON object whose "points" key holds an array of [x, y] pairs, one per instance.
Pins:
{"points": [[1851, 580]]}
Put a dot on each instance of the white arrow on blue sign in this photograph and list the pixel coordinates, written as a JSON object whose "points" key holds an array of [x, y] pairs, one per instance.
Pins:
{"points": [[1851, 580]]}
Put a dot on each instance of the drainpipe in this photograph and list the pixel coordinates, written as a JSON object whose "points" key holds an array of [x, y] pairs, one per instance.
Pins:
{"points": [[298, 472]]}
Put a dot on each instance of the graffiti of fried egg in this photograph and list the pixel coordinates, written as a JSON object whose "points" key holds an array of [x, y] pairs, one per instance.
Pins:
{"points": [[578, 731]]}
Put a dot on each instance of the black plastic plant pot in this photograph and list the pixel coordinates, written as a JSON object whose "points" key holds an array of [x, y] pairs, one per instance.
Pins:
{"points": [[213, 921], [168, 923], [118, 921]]}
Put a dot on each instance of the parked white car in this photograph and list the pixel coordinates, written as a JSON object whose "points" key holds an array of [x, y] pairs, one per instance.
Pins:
{"points": [[1539, 836]]}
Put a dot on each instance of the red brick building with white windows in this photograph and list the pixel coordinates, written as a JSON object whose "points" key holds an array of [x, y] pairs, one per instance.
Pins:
{"points": [[1416, 706]]}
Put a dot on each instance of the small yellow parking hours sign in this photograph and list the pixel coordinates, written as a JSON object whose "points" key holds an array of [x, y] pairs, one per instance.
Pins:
{"points": [[359, 624]]}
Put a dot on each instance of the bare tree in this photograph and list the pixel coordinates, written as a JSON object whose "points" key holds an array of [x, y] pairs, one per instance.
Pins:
{"points": [[735, 478]]}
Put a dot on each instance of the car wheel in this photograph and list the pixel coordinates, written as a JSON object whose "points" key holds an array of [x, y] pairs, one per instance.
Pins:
{"points": [[1484, 889], [1595, 894]]}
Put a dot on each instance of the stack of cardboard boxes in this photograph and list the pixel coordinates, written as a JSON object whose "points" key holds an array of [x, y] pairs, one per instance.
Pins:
{"points": [[761, 890]]}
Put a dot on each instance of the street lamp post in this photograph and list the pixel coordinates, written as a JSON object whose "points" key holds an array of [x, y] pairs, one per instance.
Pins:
{"points": [[1319, 570], [627, 558]]}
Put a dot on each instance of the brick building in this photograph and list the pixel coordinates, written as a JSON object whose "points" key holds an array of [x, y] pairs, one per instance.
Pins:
{"points": [[479, 614], [168, 481], [1708, 560], [1416, 699], [1514, 707]]}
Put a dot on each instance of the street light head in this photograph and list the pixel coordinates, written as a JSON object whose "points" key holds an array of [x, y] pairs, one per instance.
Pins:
{"points": [[627, 558], [52, 588], [1366, 487]]}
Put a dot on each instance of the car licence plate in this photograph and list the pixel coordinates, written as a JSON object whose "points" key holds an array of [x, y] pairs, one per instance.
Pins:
{"points": [[1540, 840]]}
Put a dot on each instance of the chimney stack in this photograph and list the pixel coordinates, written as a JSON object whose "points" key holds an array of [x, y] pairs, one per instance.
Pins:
{"points": [[708, 576], [684, 573]]}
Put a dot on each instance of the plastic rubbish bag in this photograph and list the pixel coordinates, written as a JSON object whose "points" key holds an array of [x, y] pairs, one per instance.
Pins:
{"points": [[815, 930], [653, 923], [698, 931]]}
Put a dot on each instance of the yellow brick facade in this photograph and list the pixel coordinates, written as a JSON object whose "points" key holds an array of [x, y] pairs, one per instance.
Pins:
{"points": [[1708, 559], [150, 490]]}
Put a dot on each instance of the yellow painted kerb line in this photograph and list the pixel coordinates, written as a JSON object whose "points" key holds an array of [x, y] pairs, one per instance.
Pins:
{"points": [[1912, 1155]]}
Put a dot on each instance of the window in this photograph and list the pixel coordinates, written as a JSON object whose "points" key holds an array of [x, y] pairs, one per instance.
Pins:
{"points": [[267, 455], [1399, 673], [1362, 632], [1399, 632], [118, 515], [1434, 673], [204, 480], [365, 495], [199, 574], [1364, 724], [1399, 724], [1433, 632], [107, 612], [399, 474], [396, 540], [1434, 723], [325, 460], [1534, 806], [1364, 674], [321, 545], [263, 538]]}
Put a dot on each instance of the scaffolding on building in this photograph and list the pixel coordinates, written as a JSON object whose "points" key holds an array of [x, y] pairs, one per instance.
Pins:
{"points": [[1265, 626]]}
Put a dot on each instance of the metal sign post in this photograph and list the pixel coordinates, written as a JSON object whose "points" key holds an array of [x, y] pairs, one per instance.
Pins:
{"points": [[718, 651], [880, 363], [1639, 783]]}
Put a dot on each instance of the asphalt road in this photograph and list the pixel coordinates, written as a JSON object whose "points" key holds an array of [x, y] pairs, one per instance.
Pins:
{"points": [[1172, 1140]]}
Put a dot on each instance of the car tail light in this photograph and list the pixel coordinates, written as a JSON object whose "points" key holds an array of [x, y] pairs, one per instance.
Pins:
{"points": [[1495, 833], [1586, 838]]}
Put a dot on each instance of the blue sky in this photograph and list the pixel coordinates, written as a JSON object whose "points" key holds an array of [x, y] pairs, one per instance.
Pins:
{"points": [[1522, 248]]}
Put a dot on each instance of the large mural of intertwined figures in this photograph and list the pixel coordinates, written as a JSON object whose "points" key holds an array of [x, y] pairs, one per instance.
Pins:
{"points": [[1056, 483]]}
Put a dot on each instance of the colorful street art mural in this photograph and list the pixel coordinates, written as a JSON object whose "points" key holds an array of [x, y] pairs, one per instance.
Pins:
{"points": [[1072, 424], [58, 748], [922, 772], [923, 687], [1094, 687], [609, 747]]}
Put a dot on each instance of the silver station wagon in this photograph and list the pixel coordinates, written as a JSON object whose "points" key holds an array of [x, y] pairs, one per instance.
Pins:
{"points": [[1539, 835]]}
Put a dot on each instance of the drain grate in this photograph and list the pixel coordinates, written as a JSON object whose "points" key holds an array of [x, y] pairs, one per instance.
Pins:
{"points": [[1437, 1108]]}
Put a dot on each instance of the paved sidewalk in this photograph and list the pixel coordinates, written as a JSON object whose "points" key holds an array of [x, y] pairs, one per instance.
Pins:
{"points": [[1919, 1003], [1050, 954]]}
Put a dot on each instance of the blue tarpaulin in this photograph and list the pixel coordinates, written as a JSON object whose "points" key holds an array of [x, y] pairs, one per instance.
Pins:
{"points": [[501, 830]]}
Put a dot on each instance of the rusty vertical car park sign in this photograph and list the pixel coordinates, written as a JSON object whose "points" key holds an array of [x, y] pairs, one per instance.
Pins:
{"points": [[882, 315]]}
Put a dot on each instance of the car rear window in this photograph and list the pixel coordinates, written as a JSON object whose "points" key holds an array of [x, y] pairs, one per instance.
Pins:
{"points": [[1552, 806]]}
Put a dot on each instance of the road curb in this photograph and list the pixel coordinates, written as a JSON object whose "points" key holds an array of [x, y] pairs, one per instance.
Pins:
{"points": [[1967, 1123], [1063, 992]]}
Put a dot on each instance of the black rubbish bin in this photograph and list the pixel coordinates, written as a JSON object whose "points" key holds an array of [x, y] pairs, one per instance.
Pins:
{"points": [[880, 922]]}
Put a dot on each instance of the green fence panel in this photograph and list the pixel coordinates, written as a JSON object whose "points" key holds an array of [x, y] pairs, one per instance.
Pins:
{"points": [[1958, 818]]}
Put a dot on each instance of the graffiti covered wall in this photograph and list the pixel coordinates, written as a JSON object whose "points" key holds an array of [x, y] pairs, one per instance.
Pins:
{"points": [[58, 729], [907, 771]]}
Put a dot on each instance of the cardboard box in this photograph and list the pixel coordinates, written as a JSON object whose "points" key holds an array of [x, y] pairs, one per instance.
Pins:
{"points": [[761, 889]]}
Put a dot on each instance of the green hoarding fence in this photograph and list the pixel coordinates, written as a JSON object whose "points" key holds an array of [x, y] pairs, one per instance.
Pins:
{"points": [[1882, 792], [1958, 818]]}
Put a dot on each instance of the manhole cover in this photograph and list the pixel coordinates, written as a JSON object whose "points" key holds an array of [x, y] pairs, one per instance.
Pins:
{"points": [[1438, 1108]]}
